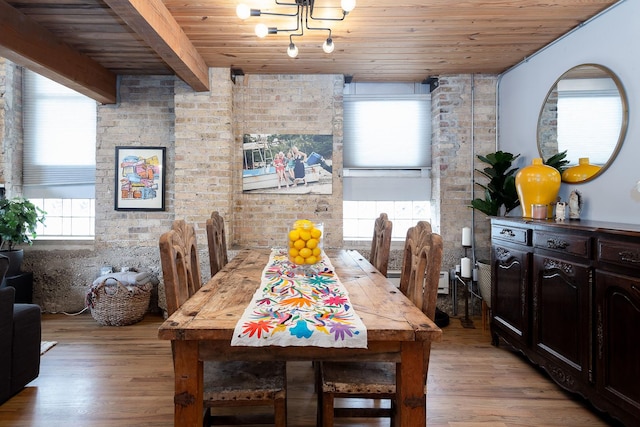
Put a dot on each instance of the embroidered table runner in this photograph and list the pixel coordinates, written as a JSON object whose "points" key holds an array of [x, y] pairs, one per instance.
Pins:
{"points": [[298, 306]]}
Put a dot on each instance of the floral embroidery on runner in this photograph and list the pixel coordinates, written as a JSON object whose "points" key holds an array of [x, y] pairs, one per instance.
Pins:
{"points": [[291, 308]]}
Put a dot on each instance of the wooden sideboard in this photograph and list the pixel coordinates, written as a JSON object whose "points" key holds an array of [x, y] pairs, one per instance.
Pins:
{"points": [[567, 295]]}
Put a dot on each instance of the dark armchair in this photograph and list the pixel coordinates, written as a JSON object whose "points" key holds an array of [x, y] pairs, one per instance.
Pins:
{"points": [[20, 334]]}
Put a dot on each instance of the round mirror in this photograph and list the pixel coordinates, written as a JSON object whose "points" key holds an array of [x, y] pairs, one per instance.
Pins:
{"points": [[585, 114]]}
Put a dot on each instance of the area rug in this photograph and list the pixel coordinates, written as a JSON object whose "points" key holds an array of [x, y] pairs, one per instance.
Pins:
{"points": [[46, 346]]}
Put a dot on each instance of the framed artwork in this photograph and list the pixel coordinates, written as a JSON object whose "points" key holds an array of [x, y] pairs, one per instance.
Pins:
{"points": [[287, 163], [140, 178]]}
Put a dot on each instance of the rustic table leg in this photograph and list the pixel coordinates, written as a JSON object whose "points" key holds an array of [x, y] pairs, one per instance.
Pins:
{"points": [[188, 384], [411, 400]]}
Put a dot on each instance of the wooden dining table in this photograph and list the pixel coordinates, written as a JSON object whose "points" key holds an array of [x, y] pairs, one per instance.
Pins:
{"points": [[202, 328]]}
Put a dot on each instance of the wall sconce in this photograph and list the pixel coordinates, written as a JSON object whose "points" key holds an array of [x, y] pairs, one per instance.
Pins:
{"points": [[303, 13]]}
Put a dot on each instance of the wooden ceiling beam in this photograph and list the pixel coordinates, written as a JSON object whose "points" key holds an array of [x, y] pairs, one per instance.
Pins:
{"points": [[151, 20], [27, 43]]}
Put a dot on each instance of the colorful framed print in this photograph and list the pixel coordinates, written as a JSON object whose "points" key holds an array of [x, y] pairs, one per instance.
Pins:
{"points": [[140, 178]]}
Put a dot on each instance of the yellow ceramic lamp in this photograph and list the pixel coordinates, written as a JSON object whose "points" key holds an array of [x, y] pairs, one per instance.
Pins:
{"points": [[537, 184], [581, 172]]}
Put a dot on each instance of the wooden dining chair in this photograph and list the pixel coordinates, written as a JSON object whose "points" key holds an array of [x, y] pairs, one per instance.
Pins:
{"points": [[226, 384], [419, 278], [217, 240], [381, 243]]}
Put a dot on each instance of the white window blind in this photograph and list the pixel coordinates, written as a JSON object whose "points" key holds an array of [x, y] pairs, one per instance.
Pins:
{"points": [[59, 140], [387, 157], [387, 131]]}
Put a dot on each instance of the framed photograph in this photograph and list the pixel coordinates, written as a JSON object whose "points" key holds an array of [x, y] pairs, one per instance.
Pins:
{"points": [[287, 164], [140, 178]]}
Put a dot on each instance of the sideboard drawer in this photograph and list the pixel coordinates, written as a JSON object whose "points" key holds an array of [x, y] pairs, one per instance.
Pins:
{"points": [[626, 254], [571, 244], [511, 234]]}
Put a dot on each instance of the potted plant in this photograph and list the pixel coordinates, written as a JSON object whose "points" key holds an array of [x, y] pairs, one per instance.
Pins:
{"points": [[500, 198], [500, 195], [18, 221]]}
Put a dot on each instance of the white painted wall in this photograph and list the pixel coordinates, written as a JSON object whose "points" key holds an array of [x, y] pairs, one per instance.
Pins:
{"points": [[612, 39]]}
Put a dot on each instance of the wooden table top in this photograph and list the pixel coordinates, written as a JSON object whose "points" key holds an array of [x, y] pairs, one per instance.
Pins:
{"points": [[212, 313]]}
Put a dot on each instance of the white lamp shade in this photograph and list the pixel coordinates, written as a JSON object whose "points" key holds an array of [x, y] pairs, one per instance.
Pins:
{"points": [[243, 11], [262, 30], [328, 46], [348, 5], [292, 50]]}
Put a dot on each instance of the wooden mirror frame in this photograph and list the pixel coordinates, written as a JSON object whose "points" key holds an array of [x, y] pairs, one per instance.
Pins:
{"points": [[545, 110]]}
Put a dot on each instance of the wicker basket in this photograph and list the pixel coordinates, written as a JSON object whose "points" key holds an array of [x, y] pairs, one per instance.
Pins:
{"points": [[114, 304], [484, 282]]}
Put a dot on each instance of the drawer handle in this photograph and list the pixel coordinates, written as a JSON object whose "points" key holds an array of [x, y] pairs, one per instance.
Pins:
{"points": [[508, 232], [557, 244], [629, 256]]}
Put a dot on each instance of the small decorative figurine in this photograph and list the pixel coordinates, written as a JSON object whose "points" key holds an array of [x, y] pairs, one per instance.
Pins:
{"points": [[561, 208], [575, 204]]}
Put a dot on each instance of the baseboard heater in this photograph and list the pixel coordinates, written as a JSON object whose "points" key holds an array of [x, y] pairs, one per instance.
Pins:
{"points": [[443, 284]]}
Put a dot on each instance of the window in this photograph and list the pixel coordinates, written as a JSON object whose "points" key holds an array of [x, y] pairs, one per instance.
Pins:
{"points": [[387, 157], [59, 128], [589, 115], [359, 217]]}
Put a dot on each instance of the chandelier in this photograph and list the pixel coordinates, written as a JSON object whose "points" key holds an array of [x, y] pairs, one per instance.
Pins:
{"points": [[303, 15]]}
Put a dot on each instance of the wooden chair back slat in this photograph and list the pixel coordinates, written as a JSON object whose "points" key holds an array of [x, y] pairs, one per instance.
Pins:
{"points": [[217, 241], [381, 244], [180, 264]]}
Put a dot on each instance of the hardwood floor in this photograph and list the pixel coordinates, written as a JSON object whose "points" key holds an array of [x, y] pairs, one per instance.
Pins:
{"points": [[123, 376]]}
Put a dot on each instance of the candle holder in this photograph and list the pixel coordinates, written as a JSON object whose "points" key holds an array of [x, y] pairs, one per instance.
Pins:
{"points": [[467, 281]]}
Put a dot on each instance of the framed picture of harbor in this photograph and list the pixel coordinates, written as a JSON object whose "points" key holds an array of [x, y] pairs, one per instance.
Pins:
{"points": [[140, 178], [287, 163]]}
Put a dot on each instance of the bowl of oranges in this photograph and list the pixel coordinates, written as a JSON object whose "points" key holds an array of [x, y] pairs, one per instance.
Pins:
{"points": [[305, 242]]}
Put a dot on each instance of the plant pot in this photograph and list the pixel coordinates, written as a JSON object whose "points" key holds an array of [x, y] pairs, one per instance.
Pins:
{"points": [[484, 281], [15, 261]]}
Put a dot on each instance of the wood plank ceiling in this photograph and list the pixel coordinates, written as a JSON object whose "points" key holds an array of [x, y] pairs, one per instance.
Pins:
{"points": [[86, 43]]}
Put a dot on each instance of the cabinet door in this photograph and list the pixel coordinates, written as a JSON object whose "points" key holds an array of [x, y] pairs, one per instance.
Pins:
{"points": [[560, 330], [618, 345], [510, 293]]}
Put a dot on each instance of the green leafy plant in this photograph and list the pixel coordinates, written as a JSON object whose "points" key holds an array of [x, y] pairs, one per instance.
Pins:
{"points": [[18, 221], [500, 195], [558, 161]]}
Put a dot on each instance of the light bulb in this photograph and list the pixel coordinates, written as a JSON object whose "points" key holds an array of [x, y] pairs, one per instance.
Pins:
{"points": [[292, 50], [262, 30], [348, 5], [328, 46], [243, 11]]}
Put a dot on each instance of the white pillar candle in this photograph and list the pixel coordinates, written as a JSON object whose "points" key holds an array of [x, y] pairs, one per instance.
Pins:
{"points": [[465, 267], [466, 236]]}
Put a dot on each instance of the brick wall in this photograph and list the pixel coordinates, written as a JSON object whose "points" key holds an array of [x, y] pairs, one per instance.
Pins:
{"points": [[301, 104], [459, 104], [453, 162], [203, 135], [11, 127], [143, 116], [3, 91]]}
